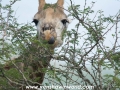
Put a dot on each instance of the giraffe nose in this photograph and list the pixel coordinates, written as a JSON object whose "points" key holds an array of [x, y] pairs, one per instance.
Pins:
{"points": [[51, 40]]}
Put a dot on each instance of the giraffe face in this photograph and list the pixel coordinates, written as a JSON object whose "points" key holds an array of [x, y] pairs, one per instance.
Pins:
{"points": [[51, 22]]}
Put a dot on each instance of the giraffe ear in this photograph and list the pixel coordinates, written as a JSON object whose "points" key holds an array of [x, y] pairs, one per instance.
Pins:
{"points": [[60, 4], [41, 5]]}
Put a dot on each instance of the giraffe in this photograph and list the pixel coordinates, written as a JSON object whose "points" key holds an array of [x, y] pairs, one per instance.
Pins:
{"points": [[51, 22]]}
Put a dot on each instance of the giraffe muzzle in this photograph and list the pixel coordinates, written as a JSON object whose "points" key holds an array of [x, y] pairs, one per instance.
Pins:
{"points": [[51, 40], [49, 33]]}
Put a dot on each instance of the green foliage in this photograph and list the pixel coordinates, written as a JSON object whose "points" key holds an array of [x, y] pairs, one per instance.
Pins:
{"points": [[19, 40], [85, 53], [47, 5], [89, 45]]}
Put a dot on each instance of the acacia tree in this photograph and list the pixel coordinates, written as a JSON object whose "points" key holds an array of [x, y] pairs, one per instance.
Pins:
{"points": [[86, 55]]}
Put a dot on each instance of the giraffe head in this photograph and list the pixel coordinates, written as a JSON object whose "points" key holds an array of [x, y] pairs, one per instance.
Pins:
{"points": [[51, 21]]}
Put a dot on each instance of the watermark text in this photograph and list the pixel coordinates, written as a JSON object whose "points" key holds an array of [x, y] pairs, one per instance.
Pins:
{"points": [[78, 87]]}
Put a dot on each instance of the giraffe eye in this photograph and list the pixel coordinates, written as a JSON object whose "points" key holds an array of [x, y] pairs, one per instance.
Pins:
{"points": [[35, 21], [64, 21]]}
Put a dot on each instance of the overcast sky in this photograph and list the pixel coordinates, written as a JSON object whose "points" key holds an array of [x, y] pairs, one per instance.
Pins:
{"points": [[26, 9]]}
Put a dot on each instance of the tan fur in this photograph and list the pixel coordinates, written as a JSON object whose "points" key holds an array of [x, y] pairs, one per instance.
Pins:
{"points": [[51, 16], [41, 4], [49, 34], [60, 4]]}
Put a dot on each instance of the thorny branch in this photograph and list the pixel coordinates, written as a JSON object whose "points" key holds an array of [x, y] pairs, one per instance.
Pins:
{"points": [[84, 62], [97, 70]]}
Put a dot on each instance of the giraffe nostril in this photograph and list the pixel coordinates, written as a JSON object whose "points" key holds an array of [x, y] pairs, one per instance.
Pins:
{"points": [[51, 40]]}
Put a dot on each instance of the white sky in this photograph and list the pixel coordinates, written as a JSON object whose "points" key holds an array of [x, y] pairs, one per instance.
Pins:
{"points": [[26, 9]]}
